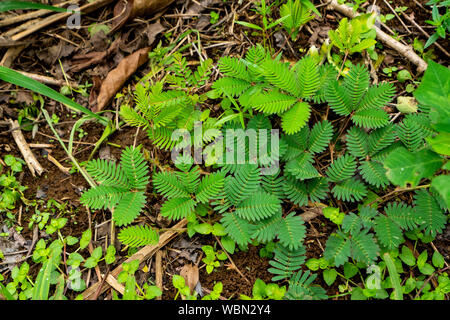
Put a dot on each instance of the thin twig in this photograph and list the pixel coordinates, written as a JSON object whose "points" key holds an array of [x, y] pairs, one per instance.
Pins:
{"points": [[398, 17], [399, 190], [32, 163], [411, 19], [231, 261]]}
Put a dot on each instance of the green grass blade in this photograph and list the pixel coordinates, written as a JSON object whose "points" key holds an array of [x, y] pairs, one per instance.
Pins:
{"points": [[23, 5], [395, 278], [20, 80], [72, 158], [5, 293], [42, 284]]}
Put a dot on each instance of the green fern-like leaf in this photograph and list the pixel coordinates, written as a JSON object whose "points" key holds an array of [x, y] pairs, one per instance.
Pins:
{"points": [[231, 86], [320, 136], [201, 75], [102, 197], [168, 185], [209, 187], [357, 82], [377, 96], [137, 236], [239, 229], [292, 231], [267, 229], [132, 117], [429, 211], [355, 96], [317, 189], [381, 138], [258, 206], [162, 138], [422, 122], [281, 76], [308, 76], [169, 99], [286, 262], [255, 55], [189, 178], [350, 190], [142, 99], [337, 249], [107, 173], [327, 75], [295, 118], [357, 142], [342, 168], [244, 183], [352, 223], [367, 214], [129, 208], [295, 144], [371, 118], [302, 168], [273, 102], [166, 116], [388, 232], [134, 167], [296, 191], [338, 99], [364, 248], [402, 214], [235, 68], [374, 173], [121, 186], [301, 287], [411, 134], [177, 208], [274, 185]]}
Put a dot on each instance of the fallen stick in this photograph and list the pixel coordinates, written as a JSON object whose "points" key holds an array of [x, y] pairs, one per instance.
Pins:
{"points": [[32, 15], [32, 163], [411, 19], [115, 284], [57, 164], [406, 51], [40, 145], [87, 8], [48, 80], [10, 55], [159, 272], [141, 255]]}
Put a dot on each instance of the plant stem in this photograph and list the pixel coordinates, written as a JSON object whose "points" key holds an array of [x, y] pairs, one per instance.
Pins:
{"points": [[398, 190]]}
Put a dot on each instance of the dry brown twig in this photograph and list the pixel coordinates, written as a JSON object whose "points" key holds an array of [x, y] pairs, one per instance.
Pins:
{"points": [[159, 271], [233, 265], [37, 24], [142, 255], [32, 14], [411, 19], [398, 17]]}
